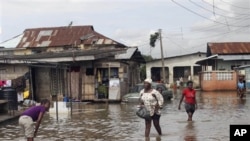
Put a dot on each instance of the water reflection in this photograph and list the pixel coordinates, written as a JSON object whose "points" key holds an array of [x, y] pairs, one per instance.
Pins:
{"points": [[158, 138], [190, 132], [102, 122]]}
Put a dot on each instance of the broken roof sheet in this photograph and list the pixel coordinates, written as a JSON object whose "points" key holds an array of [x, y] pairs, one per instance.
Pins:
{"points": [[64, 36], [127, 55]]}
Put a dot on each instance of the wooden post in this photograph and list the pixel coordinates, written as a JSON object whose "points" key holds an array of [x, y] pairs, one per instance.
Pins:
{"points": [[162, 59]]}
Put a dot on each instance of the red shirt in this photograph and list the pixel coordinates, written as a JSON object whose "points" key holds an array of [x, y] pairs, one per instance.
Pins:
{"points": [[189, 95]]}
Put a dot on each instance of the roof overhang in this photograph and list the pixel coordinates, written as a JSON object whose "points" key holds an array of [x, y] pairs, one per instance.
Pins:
{"points": [[61, 57], [47, 60], [201, 61], [242, 67], [234, 57], [127, 55]]}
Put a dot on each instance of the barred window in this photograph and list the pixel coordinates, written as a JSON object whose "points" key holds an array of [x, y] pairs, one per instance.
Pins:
{"points": [[207, 76], [224, 76]]}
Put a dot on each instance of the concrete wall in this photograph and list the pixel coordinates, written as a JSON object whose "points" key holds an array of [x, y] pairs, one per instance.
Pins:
{"points": [[210, 81], [9, 72], [22, 52]]}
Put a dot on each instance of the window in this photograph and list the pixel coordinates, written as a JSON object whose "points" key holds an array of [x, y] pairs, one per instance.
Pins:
{"points": [[114, 73], [224, 76], [89, 71], [207, 76], [197, 69]]}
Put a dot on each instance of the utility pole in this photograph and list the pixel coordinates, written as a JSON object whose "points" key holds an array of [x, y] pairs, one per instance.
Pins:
{"points": [[162, 58]]}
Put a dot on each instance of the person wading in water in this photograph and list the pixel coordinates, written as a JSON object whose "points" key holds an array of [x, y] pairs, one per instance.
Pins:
{"points": [[153, 101], [190, 100], [31, 115], [241, 87]]}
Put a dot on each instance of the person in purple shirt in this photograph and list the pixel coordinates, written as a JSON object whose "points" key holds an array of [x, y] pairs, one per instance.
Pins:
{"points": [[31, 115]]}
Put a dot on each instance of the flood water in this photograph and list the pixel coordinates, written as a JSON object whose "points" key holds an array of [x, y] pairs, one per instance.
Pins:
{"points": [[118, 122]]}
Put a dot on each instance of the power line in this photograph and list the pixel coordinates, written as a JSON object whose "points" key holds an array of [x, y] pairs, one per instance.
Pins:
{"points": [[204, 16], [235, 5], [224, 9], [216, 35], [213, 12], [220, 34], [216, 28]]}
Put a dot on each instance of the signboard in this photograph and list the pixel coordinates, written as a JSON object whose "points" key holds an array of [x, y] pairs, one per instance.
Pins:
{"points": [[114, 89]]}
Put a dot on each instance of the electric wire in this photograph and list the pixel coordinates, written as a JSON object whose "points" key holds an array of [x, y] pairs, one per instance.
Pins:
{"points": [[226, 11], [235, 5], [205, 16], [213, 12]]}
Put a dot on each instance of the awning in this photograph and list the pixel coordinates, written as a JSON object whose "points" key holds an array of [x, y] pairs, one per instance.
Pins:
{"points": [[234, 57], [205, 59], [57, 57], [243, 66]]}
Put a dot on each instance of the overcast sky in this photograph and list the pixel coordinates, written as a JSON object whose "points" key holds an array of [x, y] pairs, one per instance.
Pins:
{"points": [[187, 25]]}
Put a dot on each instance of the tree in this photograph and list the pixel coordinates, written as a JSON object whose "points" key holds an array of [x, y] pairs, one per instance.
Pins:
{"points": [[153, 38], [143, 74]]}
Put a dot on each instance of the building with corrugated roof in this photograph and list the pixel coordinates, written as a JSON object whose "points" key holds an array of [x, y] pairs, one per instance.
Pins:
{"points": [[71, 61], [218, 68]]}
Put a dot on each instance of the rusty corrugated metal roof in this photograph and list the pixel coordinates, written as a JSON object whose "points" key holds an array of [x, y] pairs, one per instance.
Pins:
{"points": [[228, 48], [64, 36]]}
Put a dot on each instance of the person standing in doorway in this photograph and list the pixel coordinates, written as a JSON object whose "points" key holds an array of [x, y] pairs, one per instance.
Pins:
{"points": [[190, 100], [31, 115], [153, 101]]}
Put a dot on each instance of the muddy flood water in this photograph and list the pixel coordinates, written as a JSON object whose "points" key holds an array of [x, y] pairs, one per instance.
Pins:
{"points": [[118, 122]]}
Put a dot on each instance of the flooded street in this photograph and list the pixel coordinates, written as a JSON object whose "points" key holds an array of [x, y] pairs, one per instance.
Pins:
{"points": [[112, 122]]}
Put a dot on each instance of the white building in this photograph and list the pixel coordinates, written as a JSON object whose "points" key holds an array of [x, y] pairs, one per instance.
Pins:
{"points": [[176, 67]]}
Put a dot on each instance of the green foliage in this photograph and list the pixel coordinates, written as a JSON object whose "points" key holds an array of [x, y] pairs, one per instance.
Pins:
{"points": [[153, 38], [147, 58], [102, 89]]}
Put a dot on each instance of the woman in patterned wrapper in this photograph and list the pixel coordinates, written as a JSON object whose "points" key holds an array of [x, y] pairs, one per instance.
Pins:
{"points": [[153, 101]]}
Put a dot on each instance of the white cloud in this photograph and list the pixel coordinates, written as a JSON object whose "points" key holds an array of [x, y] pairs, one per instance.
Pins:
{"points": [[131, 22]]}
